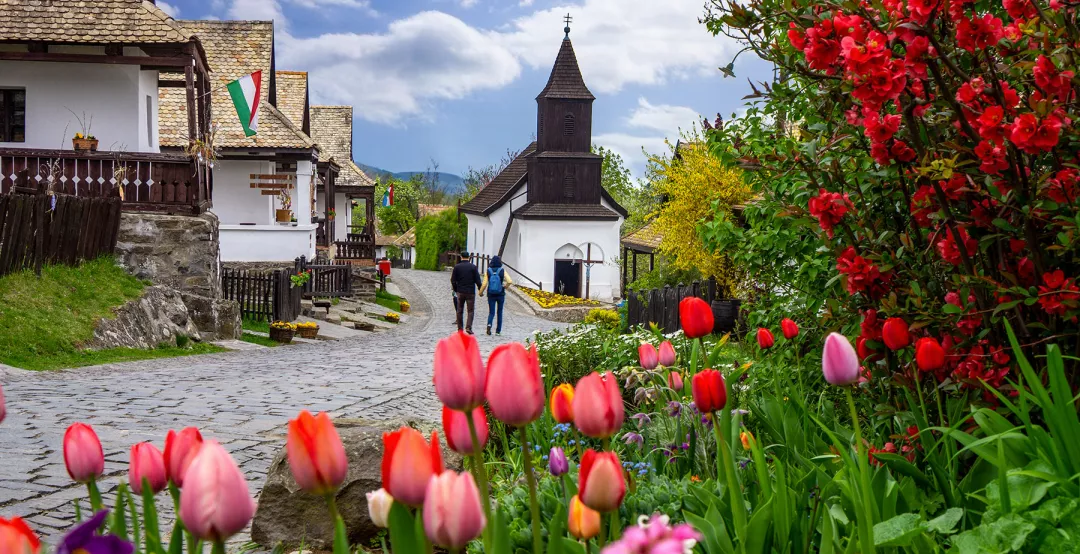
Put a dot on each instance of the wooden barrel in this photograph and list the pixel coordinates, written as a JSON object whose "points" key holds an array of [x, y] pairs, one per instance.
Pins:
{"points": [[725, 315]]}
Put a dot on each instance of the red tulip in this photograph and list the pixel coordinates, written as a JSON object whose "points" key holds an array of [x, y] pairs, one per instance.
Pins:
{"points": [[895, 333], [598, 406], [667, 356], [459, 372], [216, 503], [696, 317], [316, 456], [408, 463], [765, 338], [515, 390], [648, 356], [146, 462], [839, 362], [562, 403], [601, 482], [180, 449], [790, 328], [674, 381], [455, 426], [17, 538], [929, 355], [709, 391], [452, 512], [83, 456]]}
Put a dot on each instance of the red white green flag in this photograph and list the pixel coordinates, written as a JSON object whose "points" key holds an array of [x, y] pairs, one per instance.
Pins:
{"points": [[245, 96]]}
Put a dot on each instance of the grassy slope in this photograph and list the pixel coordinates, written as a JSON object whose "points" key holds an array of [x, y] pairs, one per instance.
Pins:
{"points": [[387, 300], [44, 320]]}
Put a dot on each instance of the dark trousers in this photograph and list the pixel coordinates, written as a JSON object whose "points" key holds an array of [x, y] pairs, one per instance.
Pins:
{"points": [[465, 300], [495, 306]]}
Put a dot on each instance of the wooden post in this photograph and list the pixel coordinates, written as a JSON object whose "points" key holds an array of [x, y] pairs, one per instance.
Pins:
{"points": [[189, 85], [635, 265], [40, 202], [625, 266], [652, 259]]}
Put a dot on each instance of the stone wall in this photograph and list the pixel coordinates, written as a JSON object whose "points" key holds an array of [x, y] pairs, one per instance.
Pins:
{"points": [[173, 250]]}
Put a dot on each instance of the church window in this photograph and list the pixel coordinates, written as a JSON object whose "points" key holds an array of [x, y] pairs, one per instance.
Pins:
{"points": [[568, 125], [540, 121], [569, 186]]}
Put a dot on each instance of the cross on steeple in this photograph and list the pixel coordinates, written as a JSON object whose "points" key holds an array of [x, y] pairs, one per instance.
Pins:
{"points": [[568, 21]]}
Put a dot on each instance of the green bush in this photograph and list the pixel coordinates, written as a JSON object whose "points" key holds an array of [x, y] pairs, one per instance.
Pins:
{"points": [[436, 234], [603, 318]]}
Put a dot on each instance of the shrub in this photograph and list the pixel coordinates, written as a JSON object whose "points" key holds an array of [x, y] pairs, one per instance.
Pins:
{"points": [[438, 233], [603, 318]]}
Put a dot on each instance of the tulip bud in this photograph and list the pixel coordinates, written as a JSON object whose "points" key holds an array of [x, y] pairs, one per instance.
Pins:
{"points": [[515, 390], [696, 317], [216, 503], [674, 381], [709, 391], [452, 512], [648, 356], [666, 354], [557, 462], [929, 355], [83, 456], [17, 538], [839, 362], [408, 463], [601, 483], [790, 328], [316, 455], [895, 333], [456, 430], [180, 449], [460, 376], [146, 462], [747, 439], [583, 522], [598, 406], [378, 505], [765, 338], [562, 403]]}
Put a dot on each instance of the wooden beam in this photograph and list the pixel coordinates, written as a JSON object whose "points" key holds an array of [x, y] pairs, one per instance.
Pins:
{"points": [[114, 49], [171, 83], [189, 83], [146, 61], [272, 177]]}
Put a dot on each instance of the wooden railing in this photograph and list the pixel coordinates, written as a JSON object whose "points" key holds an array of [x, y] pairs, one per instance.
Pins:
{"points": [[170, 183], [357, 246], [483, 261], [263, 296], [326, 280]]}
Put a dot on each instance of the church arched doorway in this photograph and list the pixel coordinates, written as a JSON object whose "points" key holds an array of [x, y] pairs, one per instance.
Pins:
{"points": [[568, 269]]}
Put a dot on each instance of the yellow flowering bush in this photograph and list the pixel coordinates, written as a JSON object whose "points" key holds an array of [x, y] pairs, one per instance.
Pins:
{"points": [[603, 318], [552, 299]]}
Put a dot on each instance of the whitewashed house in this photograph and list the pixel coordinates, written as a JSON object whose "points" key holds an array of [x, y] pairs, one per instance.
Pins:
{"points": [[546, 214]]}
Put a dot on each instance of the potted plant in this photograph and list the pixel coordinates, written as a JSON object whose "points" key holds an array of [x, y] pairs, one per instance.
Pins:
{"points": [[331, 214], [284, 215], [84, 141], [308, 329], [300, 279], [404, 307], [282, 331]]}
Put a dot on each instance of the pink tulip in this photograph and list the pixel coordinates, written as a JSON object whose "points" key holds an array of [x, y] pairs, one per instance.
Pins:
{"points": [[598, 406], [674, 381], [839, 362], [180, 449], [667, 354], [459, 372], [452, 512], [216, 503], [601, 484], [648, 356], [515, 391], [3, 406], [456, 429], [146, 463], [83, 457], [316, 455]]}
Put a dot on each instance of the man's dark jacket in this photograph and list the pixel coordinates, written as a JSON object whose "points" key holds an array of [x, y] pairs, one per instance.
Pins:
{"points": [[465, 278]]}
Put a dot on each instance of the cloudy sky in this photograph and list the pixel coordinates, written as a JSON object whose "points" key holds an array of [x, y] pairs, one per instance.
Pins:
{"points": [[455, 80]]}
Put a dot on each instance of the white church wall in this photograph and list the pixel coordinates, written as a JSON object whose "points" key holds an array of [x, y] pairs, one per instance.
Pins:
{"points": [[542, 239]]}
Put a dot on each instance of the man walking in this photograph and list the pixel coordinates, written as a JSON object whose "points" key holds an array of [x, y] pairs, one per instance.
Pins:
{"points": [[465, 279]]}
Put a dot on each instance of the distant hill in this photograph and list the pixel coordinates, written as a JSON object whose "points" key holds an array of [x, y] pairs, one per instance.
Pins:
{"points": [[452, 183]]}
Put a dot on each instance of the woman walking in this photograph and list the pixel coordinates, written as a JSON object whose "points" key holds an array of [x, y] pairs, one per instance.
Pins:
{"points": [[495, 283]]}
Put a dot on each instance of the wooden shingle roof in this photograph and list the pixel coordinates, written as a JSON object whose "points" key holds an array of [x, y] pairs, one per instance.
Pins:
{"points": [[407, 239], [565, 211], [565, 81], [89, 21], [332, 130], [292, 95], [645, 239], [492, 194]]}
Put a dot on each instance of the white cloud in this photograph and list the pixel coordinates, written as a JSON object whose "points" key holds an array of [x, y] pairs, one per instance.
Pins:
{"points": [[263, 10], [364, 5], [468, 3], [525, 3], [650, 126], [663, 118], [630, 147], [170, 9]]}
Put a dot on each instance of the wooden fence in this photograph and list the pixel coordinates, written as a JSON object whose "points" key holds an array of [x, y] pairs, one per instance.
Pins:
{"points": [[661, 306], [263, 296], [326, 280], [38, 229]]}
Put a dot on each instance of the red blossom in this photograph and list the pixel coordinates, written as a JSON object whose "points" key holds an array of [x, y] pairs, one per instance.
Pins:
{"points": [[881, 129], [901, 151], [1062, 187], [861, 275], [992, 158], [1020, 9], [990, 124], [922, 205], [1057, 294], [949, 250], [829, 208], [978, 33], [1056, 84], [1034, 136]]}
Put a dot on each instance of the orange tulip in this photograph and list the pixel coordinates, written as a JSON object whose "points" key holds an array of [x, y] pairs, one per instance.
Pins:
{"points": [[455, 426], [598, 406], [747, 439], [583, 522], [316, 455], [408, 463], [146, 463], [601, 482], [17, 538], [83, 457], [562, 403], [515, 391], [459, 372], [180, 449]]}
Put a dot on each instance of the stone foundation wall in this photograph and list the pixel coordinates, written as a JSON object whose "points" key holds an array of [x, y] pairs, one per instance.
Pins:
{"points": [[177, 251]]}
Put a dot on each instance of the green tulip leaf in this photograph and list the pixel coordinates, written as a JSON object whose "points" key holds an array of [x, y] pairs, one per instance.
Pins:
{"points": [[402, 531], [899, 464]]}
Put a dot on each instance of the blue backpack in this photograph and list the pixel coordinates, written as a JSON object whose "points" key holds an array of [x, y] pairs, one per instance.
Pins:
{"points": [[495, 284]]}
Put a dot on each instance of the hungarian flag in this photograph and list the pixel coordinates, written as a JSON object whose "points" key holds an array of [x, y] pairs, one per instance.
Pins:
{"points": [[245, 96], [388, 196]]}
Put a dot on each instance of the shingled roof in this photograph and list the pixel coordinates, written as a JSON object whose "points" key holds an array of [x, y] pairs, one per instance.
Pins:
{"points": [[492, 194], [565, 81], [89, 21], [565, 211], [645, 239], [332, 129], [234, 49], [292, 96]]}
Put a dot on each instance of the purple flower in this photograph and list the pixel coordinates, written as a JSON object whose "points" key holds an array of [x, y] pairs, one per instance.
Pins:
{"points": [[655, 535], [634, 438], [557, 462], [674, 408], [84, 540], [643, 419]]}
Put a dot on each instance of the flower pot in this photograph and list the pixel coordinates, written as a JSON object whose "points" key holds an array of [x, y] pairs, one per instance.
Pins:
{"points": [[283, 216], [283, 336], [84, 144], [725, 315], [308, 332]]}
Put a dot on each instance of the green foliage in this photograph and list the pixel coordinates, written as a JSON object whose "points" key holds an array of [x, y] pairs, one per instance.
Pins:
{"points": [[259, 339], [402, 215], [388, 301], [665, 274], [436, 234], [603, 318]]}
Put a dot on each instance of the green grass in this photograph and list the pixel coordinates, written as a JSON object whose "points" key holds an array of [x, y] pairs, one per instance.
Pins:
{"points": [[260, 326], [83, 358], [259, 339], [387, 300]]}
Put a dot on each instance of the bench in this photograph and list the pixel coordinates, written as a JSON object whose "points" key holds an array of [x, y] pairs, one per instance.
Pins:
{"points": [[322, 304]]}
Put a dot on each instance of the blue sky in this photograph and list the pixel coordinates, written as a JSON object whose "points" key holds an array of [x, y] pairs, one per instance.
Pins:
{"points": [[455, 80]]}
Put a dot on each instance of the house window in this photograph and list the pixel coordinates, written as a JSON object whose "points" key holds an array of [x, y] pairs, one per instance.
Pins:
{"points": [[13, 115], [483, 241], [149, 121], [569, 186], [568, 125]]}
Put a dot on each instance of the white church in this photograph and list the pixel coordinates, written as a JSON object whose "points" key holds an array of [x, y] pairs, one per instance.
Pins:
{"points": [[546, 215]]}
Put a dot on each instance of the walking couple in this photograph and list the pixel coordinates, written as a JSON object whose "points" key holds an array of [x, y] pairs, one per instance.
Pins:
{"points": [[465, 279]]}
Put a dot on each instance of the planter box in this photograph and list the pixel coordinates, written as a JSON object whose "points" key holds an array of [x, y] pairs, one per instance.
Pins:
{"points": [[283, 216], [284, 336], [84, 145], [308, 333]]}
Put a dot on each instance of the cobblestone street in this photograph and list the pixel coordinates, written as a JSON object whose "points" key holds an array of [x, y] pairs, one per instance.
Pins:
{"points": [[241, 399]]}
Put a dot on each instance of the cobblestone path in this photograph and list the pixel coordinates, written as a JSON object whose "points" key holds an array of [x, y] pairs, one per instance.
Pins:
{"points": [[241, 399]]}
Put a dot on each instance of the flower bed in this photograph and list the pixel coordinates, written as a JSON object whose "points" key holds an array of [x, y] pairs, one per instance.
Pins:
{"points": [[547, 299]]}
